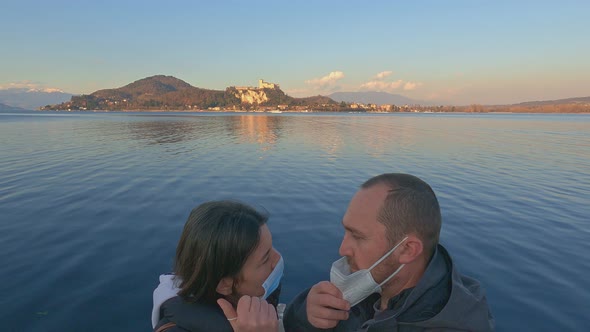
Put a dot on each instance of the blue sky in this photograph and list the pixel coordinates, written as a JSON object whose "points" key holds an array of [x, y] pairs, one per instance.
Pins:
{"points": [[458, 52]]}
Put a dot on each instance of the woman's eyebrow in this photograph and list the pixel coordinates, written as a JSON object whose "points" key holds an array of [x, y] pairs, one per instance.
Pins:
{"points": [[265, 256]]}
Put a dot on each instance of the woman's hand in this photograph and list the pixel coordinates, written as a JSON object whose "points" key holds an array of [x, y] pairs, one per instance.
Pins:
{"points": [[253, 314]]}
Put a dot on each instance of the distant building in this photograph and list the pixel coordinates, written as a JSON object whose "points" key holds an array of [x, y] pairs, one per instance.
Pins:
{"points": [[261, 85], [266, 85]]}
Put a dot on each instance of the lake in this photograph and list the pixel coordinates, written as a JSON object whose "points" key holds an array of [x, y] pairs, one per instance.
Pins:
{"points": [[92, 204]]}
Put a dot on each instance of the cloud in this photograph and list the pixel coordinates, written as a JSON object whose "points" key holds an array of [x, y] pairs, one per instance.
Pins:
{"points": [[383, 74], [378, 83], [20, 85], [381, 85], [327, 80], [29, 85], [50, 90], [411, 86]]}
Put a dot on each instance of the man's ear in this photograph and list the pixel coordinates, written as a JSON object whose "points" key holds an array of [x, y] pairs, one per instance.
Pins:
{"points": [[411, 249], [225, 286]]}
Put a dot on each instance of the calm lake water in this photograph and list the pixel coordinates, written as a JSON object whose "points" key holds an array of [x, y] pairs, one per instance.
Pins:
{"points": [[92, 205]]}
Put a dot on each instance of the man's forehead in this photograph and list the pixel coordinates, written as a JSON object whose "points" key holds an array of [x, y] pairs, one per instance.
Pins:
{"points": [[368, 201], [364, 208]]}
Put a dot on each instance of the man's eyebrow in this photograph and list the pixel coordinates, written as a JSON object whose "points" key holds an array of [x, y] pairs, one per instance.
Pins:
{"points": [[352, 230]]}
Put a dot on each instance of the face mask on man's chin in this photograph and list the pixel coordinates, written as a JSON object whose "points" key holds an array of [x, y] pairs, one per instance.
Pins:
{"points": [[360, 284]]}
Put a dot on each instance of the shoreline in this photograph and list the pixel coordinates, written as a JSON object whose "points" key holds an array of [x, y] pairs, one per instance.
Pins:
{"points": [[278, 113]]}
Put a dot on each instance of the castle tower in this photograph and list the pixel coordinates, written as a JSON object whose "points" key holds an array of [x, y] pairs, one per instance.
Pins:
{"points": [[266, 85]]}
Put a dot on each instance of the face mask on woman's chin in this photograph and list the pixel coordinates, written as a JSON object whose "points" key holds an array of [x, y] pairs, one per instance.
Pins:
{"points": [[273, 298], [271, 286], [357, 286], [273, 280]]}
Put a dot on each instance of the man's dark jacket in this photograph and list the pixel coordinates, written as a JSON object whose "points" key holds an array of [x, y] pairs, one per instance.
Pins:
{"points": [[443, 300]]}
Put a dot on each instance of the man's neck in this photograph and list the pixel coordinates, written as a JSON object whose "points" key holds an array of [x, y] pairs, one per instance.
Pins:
{"points": [[396, 286]]}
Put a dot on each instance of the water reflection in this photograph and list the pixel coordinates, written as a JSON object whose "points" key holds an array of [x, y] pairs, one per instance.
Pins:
{"points": [[262, 130], [166, 131], [376, 135]]}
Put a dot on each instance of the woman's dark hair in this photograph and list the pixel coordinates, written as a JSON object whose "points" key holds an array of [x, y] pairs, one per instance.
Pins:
{"points": [[217, 239]]}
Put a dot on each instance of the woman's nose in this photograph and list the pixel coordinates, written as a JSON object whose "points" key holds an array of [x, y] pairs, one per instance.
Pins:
{"points": [[275, 258]]}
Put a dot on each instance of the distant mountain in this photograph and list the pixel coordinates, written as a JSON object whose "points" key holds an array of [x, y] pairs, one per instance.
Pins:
{"points": [[375, 97], [32, 99], [169, 93], [577, 100], [4, 107], [314, 100]]}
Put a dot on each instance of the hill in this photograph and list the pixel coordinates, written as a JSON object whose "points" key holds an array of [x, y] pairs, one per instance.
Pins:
{"points": [[4, 107], [169, 93], [375, 97], [577, 100]]}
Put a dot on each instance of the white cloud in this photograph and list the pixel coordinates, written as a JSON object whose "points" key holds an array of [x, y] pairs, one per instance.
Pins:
{"points": [[20, 85], [383, 74], [51, 90], [378, 83], [381, 85], [29, 85], [327, 80], [411, 86]]}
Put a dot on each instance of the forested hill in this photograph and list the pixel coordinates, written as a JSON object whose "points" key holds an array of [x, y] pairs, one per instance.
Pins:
{"points": [[578, 100], [4, 107], [170, 93]]}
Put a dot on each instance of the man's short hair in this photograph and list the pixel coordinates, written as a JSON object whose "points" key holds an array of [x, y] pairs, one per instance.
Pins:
{"points": [[410, 207]]}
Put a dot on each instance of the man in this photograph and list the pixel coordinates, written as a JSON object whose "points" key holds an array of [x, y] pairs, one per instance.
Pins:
{"points": [[394, 275]]}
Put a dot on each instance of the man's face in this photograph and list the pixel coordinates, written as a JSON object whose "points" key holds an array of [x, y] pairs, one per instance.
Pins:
{"points": [[365, 239]]}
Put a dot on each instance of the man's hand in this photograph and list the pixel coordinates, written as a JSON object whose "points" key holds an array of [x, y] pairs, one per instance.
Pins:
{"points": [[325, 306], [253, 314]]}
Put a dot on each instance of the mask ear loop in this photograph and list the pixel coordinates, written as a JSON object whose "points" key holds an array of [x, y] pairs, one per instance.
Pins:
{"points": [[384, 257], [388, 253], [392, 275]]}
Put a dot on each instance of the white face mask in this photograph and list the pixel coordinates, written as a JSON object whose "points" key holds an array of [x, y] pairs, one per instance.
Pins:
{"points": [[357, 286], [274, 278]]}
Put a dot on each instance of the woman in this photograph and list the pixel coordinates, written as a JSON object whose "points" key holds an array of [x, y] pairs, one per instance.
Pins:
{"points": [[226, 272]]}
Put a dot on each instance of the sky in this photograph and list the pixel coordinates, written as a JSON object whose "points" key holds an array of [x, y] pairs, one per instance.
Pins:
{"points": [[448, 52]]}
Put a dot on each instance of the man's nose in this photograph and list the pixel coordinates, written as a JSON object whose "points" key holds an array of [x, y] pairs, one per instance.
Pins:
{"points": [[344, 249]]}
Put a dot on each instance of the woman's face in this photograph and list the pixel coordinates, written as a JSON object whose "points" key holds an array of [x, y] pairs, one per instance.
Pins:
{"points": [[258, 266]]}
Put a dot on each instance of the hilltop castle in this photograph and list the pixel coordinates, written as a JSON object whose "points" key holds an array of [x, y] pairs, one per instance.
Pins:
{"points": [[261, 85], [253, 95], [266, 85]]}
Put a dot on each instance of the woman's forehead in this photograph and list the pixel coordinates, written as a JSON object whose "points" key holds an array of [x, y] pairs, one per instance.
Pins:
{"points": [[264, 243]]}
